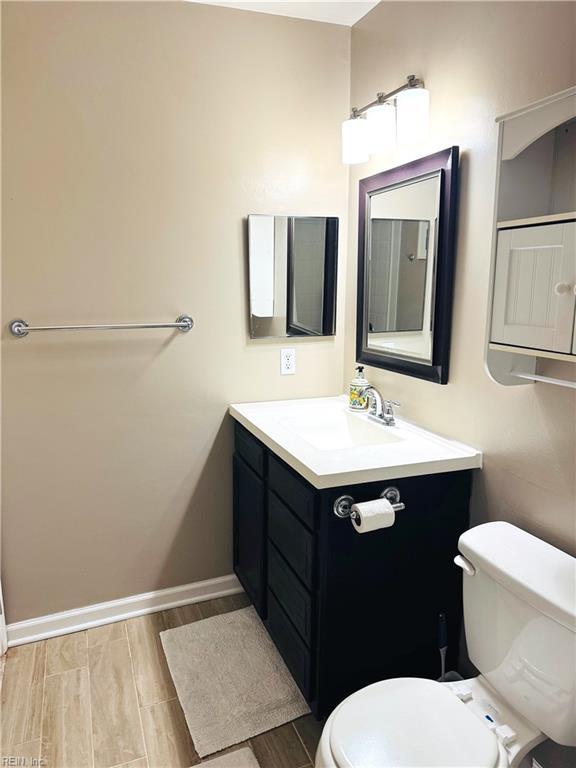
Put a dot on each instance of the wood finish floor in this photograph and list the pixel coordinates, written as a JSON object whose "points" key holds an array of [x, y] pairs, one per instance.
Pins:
{"points": [[104, 698]]}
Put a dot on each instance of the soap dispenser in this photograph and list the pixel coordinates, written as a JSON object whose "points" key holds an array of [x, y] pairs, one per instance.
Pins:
{"points": [[359, 386]]}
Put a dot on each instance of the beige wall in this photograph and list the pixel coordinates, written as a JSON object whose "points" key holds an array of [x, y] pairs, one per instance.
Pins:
{"points": [[479, 60], [136, 138]]}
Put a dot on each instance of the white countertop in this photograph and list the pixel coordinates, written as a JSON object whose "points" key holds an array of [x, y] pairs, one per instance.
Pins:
{"points": [[331, 446]]}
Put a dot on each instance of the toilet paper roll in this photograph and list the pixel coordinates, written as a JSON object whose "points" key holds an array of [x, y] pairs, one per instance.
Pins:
{"points": [[373, 515]]}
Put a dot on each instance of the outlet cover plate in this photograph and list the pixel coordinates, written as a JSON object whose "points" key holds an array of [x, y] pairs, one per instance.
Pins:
{"points": [[287, 361]]}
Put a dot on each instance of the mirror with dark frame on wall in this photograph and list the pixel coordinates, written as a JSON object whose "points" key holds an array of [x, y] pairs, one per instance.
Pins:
{"points": [[406, 230], [292, 270]]}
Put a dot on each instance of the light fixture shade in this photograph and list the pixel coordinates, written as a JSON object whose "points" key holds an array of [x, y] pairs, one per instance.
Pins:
{"points": [[412, 115], [355, 141], [381, 128]]}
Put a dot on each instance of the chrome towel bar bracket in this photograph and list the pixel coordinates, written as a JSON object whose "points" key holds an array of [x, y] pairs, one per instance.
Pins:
{"points": [[20, 328]]}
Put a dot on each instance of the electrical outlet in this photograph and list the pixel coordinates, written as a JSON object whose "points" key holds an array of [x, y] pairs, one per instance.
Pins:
{"points": [[287, 361]]}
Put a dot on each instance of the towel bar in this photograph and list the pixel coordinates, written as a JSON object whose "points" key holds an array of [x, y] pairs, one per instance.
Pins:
{"points": [[20, 328]]}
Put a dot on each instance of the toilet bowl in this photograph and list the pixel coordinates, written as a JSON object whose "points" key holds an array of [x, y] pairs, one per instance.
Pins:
{"points": [[520, 623], [409, 722]]}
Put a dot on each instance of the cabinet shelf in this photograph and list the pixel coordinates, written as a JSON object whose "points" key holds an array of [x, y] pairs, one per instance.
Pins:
{"points": [[545, 379], [551, 218], [532, 352]]}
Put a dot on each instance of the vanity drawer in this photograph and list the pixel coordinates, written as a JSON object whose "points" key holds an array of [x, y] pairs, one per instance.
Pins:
{"points": [[293, 491], [291, 538], [293, 597], [250, 449], [291, 647]]}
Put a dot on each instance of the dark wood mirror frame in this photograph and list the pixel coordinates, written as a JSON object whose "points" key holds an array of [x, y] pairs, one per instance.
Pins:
{"points": [[446, 164]]}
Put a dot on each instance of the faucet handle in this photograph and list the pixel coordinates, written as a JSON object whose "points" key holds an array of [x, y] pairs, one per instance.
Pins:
{"points": [[388, 412], [372, 400], [390, 403]]}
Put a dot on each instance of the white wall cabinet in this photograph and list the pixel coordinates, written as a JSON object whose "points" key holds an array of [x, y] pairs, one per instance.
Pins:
{"points": [[534, 287], [532, 299]]}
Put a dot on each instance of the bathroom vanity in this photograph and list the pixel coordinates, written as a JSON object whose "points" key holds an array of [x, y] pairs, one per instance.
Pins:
{"points": [[346, 609]]}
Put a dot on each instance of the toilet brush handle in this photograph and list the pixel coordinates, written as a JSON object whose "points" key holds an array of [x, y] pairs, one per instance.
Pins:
{"points": [[442, 643], [442, 677], [442, 631]]}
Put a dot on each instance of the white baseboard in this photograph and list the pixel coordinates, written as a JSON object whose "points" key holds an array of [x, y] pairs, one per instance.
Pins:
{"points": [[63, 623]]}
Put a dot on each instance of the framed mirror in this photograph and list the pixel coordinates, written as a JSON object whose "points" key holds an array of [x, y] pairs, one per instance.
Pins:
{"points": [[292, 275], [406, 231]]}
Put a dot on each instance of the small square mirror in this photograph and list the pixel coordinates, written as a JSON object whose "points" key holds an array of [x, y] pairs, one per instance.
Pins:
{"points": [[292, 274]]}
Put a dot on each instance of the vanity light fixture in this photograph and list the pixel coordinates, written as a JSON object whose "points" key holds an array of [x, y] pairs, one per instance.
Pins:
{"points": [[372, 129], [381, 121], [412, 114], [355, 136]]}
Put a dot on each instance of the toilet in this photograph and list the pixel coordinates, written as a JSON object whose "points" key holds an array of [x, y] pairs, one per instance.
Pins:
{"points": [[520, 622]]}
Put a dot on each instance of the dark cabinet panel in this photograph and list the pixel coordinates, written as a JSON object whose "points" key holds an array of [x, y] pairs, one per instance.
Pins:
{"points": [[294, 652], [250, 449], [293, 490], [290, 593], [381, 592], [293, 540], [250, 533]]}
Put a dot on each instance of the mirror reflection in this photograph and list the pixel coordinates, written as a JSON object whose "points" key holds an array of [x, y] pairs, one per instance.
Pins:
{"points": [[292, 275], [401, 225], [397, 275]]}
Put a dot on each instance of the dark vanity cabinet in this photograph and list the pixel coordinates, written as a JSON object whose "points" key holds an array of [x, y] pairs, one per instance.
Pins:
{"points": [[347, 609]]}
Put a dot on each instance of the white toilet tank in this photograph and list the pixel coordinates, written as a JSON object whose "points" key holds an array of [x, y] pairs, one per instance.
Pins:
{"points": [[520, 621]]}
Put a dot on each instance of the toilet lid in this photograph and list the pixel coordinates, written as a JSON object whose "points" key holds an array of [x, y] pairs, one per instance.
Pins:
{"points": [[410, 722]]}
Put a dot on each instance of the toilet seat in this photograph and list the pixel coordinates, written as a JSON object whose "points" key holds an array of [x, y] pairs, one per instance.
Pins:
{"points": [[408, 722]]}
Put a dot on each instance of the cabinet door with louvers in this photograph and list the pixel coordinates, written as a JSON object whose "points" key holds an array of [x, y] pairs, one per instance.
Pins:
{"points": [[534, 287]]}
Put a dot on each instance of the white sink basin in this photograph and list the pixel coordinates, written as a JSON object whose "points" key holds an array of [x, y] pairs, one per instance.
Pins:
{"points": [[331, 446], [328, 431]]}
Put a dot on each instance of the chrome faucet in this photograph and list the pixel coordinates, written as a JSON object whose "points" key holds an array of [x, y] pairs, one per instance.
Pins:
{"points": [[380, 409]]}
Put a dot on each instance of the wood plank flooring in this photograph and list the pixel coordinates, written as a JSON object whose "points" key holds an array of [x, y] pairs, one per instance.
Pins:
{"points": [[104, 698]]}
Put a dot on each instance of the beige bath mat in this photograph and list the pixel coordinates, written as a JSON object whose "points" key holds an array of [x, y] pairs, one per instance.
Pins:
{"points": [[241, 758], [231, 681]]}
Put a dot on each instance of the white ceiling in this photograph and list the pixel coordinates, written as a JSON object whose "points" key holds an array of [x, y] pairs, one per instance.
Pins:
{"points": [[330, 11]]}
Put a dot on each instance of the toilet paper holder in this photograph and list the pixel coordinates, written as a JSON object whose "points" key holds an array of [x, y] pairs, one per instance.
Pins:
{"points": [[343, 504]]}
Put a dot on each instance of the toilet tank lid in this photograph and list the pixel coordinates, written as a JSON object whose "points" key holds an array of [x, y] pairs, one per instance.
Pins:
{"points": [[537, 572]]}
